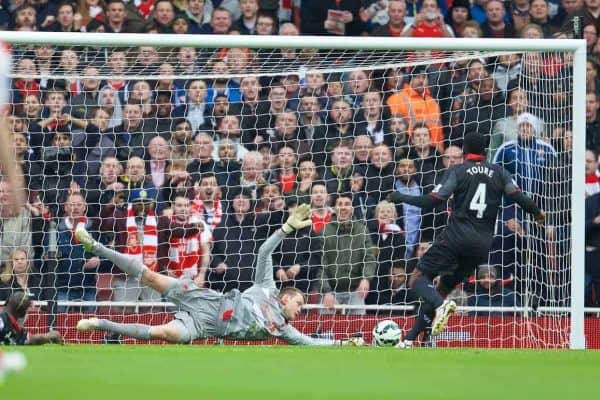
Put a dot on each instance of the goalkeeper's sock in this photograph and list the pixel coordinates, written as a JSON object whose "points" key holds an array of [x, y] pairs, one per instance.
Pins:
{"points": [[130, 265], [425, 289], [422, 322], [136, 331]]}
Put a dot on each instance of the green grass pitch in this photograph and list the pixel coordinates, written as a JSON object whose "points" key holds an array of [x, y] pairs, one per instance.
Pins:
{"points": [[257, 372]]}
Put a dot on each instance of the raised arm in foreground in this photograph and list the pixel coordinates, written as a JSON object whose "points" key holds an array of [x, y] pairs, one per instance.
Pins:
{"points": [[299, 218]]}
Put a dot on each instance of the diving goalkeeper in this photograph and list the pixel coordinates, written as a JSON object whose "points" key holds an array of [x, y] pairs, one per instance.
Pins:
{"points": [[255, 314]]}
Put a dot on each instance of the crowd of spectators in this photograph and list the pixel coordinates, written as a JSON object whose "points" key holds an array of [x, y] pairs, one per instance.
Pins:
{"points": [[192, 175]]}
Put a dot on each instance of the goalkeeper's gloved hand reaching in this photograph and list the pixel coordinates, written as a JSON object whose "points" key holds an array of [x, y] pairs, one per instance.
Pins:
{"points": [[299, 218]]}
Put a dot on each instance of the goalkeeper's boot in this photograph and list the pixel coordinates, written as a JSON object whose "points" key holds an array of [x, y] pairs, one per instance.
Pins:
{"points": [[11, 361], [442, 315], [87, 325], [84, 237]]}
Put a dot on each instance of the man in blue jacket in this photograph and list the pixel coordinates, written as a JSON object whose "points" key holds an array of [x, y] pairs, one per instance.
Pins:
{"points": [[531, 162], [527, 158]]}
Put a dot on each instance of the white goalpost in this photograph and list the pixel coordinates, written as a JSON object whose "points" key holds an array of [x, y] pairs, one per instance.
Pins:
{"points": [[267, 111]]}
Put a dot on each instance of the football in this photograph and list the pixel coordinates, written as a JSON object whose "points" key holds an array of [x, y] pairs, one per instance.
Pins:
{"points": [[387, 333]]}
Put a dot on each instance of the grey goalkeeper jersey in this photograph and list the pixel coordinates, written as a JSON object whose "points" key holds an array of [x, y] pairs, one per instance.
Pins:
{"points": [[257, 313]]}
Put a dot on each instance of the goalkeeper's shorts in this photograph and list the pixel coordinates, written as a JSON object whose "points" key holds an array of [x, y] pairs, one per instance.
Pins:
{"points": [[198, 307]]}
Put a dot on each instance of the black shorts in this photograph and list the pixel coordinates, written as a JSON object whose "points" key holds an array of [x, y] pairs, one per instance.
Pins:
{"points": [[456, 257]]}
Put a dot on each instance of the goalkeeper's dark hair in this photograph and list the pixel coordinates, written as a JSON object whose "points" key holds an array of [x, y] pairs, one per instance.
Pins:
{"points": [[292, 291], [17, 304]]}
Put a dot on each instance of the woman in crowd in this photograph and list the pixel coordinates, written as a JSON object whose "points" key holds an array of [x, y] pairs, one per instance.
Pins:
{"points": [[17, 275]]}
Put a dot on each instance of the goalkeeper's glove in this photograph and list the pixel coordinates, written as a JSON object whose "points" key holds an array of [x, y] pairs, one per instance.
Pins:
{"points": [[354, 342], [299, 218]]}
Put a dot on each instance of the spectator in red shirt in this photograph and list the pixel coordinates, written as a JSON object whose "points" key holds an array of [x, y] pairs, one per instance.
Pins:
{"points": [[319, 203], [592, 175], [428, 23], [23, 87], [185, 252], [132, 229], [145, 7], [207, 202], [286, 173]]}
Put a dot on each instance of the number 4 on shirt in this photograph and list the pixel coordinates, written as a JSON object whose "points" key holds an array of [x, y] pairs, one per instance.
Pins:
{"points": [[478, 201]]}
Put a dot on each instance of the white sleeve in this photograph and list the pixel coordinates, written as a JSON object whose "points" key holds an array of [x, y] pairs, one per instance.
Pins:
{"points": [[264, 261], [292, 336]]}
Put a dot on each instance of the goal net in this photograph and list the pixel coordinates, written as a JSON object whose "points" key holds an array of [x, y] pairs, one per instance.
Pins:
{"points": [[190, 157]]}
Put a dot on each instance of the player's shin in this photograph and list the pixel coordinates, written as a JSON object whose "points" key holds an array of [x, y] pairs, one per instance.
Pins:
{"points": [[128, 264], [132, 266], [136, 331], [422, 322], [425, 289]]}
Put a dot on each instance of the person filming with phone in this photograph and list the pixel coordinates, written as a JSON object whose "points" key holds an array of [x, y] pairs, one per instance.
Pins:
{"points": [[429, 22]]}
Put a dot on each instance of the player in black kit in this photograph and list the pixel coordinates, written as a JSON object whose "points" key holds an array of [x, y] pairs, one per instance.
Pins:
{"points": [[11, 329], [478, 188]]}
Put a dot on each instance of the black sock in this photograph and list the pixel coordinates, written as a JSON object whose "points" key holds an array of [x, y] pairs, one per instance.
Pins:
{"points": [[425, 289], [422, 323]]}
